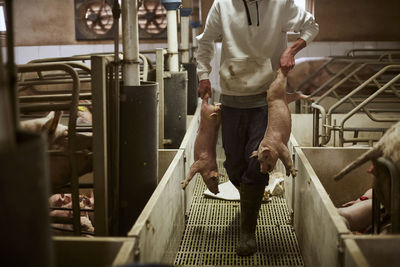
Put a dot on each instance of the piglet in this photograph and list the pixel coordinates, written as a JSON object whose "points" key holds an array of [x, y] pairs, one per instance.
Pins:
{"points": [[274, 143], [357, 216], [57, 138], [205, 161]]}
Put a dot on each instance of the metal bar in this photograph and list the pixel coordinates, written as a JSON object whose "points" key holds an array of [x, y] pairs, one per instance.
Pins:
{"points": [[352, 51], [368, 100], [395, 193], [324, 137], [44, 107], [11, 73], [7, 125], [172, 33], [113, 117], [100, 145], [346, 78], [371, 97], [160, 52], [49, 98], [130, 40], [376, 213], [308, 78], [359, 139], [185, 13], [48, 82], [329, 82], [62, 208], [315, 140]]}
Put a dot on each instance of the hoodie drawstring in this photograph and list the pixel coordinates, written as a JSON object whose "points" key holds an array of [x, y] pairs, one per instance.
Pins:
{"points": [[248, 13], [258, 16]]}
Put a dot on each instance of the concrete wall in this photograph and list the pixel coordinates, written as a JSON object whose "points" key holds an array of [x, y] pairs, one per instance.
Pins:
{"points": [[358, 20]]}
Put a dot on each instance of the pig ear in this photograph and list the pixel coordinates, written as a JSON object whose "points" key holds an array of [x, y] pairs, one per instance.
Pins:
{"points": [[254, 154]]}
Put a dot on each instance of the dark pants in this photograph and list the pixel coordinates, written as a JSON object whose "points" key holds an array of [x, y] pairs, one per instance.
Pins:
{"points": [[242, 132]]}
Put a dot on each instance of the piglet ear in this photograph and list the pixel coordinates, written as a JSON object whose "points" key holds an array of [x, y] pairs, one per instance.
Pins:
{"points": [[254, 154], [263, 149]]}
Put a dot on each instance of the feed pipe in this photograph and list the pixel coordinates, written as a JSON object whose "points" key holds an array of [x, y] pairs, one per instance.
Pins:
{"points": [[186, 11], [195, 23], [130, 42], [171, 6]]}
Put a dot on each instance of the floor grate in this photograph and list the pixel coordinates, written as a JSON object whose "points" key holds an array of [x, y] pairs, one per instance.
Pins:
{"points": [[212, 233]]}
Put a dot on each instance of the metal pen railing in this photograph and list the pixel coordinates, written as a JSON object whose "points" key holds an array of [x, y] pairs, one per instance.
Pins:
{"points": [[326, 117], [72, 107]]}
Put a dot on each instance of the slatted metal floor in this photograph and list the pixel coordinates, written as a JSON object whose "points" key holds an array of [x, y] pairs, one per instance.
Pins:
{"points": [[212, 233]]}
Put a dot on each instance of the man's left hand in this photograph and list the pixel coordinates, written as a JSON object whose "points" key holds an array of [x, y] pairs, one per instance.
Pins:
{"points": [[287, 62]]}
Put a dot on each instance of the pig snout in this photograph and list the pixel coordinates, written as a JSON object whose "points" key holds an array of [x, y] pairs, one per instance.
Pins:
{"points": [[265, 168]]}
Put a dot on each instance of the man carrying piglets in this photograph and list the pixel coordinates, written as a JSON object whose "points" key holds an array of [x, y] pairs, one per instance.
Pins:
{"points": [[254, 47]]}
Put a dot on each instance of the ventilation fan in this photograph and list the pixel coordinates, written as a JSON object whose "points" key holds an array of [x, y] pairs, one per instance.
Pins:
{"points": [[152, 18], [94, 20]]}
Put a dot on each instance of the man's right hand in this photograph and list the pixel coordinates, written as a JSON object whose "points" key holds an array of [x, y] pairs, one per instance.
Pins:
{"points": [[204, 88]]}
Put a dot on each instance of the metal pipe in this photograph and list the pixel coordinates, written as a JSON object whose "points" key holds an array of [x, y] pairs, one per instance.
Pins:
{"points": [[48, 82], [370, 98], [172, 41], [195, 24], [324, 139], [172, 6], [186, 11], [160, 52], [114, 123], [359, 88], [395, 193], [130, 41], [329, 82], [101, 145], [49, 98], [12, 77], [7, 129]]}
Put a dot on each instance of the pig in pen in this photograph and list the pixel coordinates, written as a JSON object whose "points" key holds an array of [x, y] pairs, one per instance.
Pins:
{"points": [[69, 151]]}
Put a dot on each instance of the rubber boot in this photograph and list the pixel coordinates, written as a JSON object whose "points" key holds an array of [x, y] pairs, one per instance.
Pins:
{"points": [[250, 203]]}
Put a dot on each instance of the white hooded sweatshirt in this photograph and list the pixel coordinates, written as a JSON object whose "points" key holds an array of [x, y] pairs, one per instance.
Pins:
{"points": [[250, 53]]}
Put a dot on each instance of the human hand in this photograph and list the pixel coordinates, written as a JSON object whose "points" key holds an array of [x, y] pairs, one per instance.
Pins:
{"points": [[287, 62], [204, 88]]}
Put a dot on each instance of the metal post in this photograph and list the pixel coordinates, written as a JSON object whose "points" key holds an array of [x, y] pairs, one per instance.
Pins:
{"points": [[186, 11], [12, 77], [100, 145], [394, 194], [138, 151], [130, 37], [7, 126], [172, 6], [195, 24], [160, 52]]}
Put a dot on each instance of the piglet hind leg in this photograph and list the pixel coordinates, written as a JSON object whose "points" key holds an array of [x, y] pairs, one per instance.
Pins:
{"points": [[194, 168]]}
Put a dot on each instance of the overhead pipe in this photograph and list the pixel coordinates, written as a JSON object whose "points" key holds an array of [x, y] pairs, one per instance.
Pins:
{"points": [[195, 23], [186, 11], [171, 6], [130, 41]]}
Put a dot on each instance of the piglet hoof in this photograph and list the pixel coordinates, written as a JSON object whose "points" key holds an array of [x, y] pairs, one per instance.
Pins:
{"points": [[184, 184], [292, 172]]}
